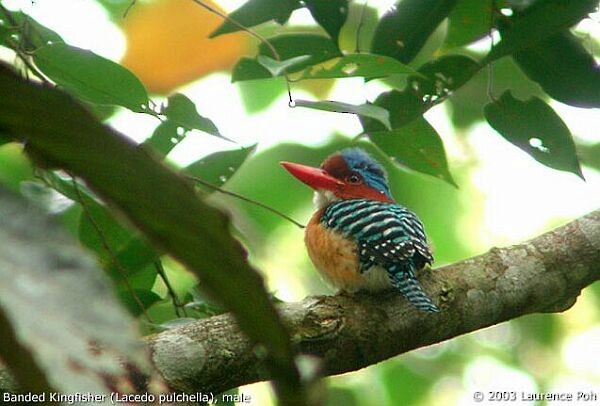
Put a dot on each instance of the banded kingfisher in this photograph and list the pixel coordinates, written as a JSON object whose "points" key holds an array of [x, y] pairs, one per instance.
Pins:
{"points": [[360, 238]]}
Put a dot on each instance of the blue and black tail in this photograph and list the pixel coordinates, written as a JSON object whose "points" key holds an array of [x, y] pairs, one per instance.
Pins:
{"points": [[404, 279]]}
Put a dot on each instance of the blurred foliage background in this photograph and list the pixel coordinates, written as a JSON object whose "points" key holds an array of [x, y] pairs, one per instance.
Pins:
{"points": [[233, 134]]}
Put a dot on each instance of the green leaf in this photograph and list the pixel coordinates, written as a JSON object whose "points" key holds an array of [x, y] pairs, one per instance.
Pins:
{"points": [[258, 95], [37, 35], [329, 14], [131, 251], [363, 110], [403, 107], [4, 139], [254, 12], [116, 9], [537, 22], [164, 138], [362, 19], [535, 128], [589, 154], [131, 256], [182, 111], [113, 233], [65, 187], [342, 396], [143, 278], [289, 46], [447, 74], [369, 66], [417, 146], [102, 111], [146, 296], [563, 67], [96, 216], [545, 329], [14, 165], [219, 167], [467, 102], [468, 22], [6, 30], [91, 77], [135, 256], [394, 375], [437, 80], [161, 203], [277, 68], [402, 31], [249, 69], [296, 51]]}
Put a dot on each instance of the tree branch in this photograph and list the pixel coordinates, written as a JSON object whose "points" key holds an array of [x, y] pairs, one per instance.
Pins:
{"points": [[544, 275]]}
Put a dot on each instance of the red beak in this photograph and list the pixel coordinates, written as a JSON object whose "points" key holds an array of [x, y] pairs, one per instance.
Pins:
{"points": [[316, 178]]}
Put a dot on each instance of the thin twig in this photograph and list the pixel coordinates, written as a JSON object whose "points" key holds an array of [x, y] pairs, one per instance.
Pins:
{"points": [[361, 21], [8, 15], [246, 199], [359, 136], [22, 55], [490, 82], [113, 257], [490, 66], [24, 58], [255, 35], [163, 275], [129, 7]]}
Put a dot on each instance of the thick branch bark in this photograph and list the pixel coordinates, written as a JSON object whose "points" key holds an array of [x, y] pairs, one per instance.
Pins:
{"points": [[545, 274]]}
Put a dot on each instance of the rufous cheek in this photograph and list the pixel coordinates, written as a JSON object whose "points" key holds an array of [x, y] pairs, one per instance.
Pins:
{"points": [[361, 192]]}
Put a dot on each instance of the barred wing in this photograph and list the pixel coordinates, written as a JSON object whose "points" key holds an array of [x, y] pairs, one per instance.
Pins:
{"points": [[386, 233]]}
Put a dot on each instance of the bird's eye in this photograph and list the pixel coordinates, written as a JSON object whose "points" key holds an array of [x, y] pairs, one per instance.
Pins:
{"points": [[353, 179]]}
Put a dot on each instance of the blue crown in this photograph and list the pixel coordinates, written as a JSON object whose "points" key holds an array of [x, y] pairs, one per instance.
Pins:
{"points": [[371, 171]]}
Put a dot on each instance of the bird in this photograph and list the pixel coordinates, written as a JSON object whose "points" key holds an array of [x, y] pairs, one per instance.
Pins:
{"points": [[359, 238]]}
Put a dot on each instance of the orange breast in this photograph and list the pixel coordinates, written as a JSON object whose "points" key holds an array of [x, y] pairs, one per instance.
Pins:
{"points": [[334, 256]]}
